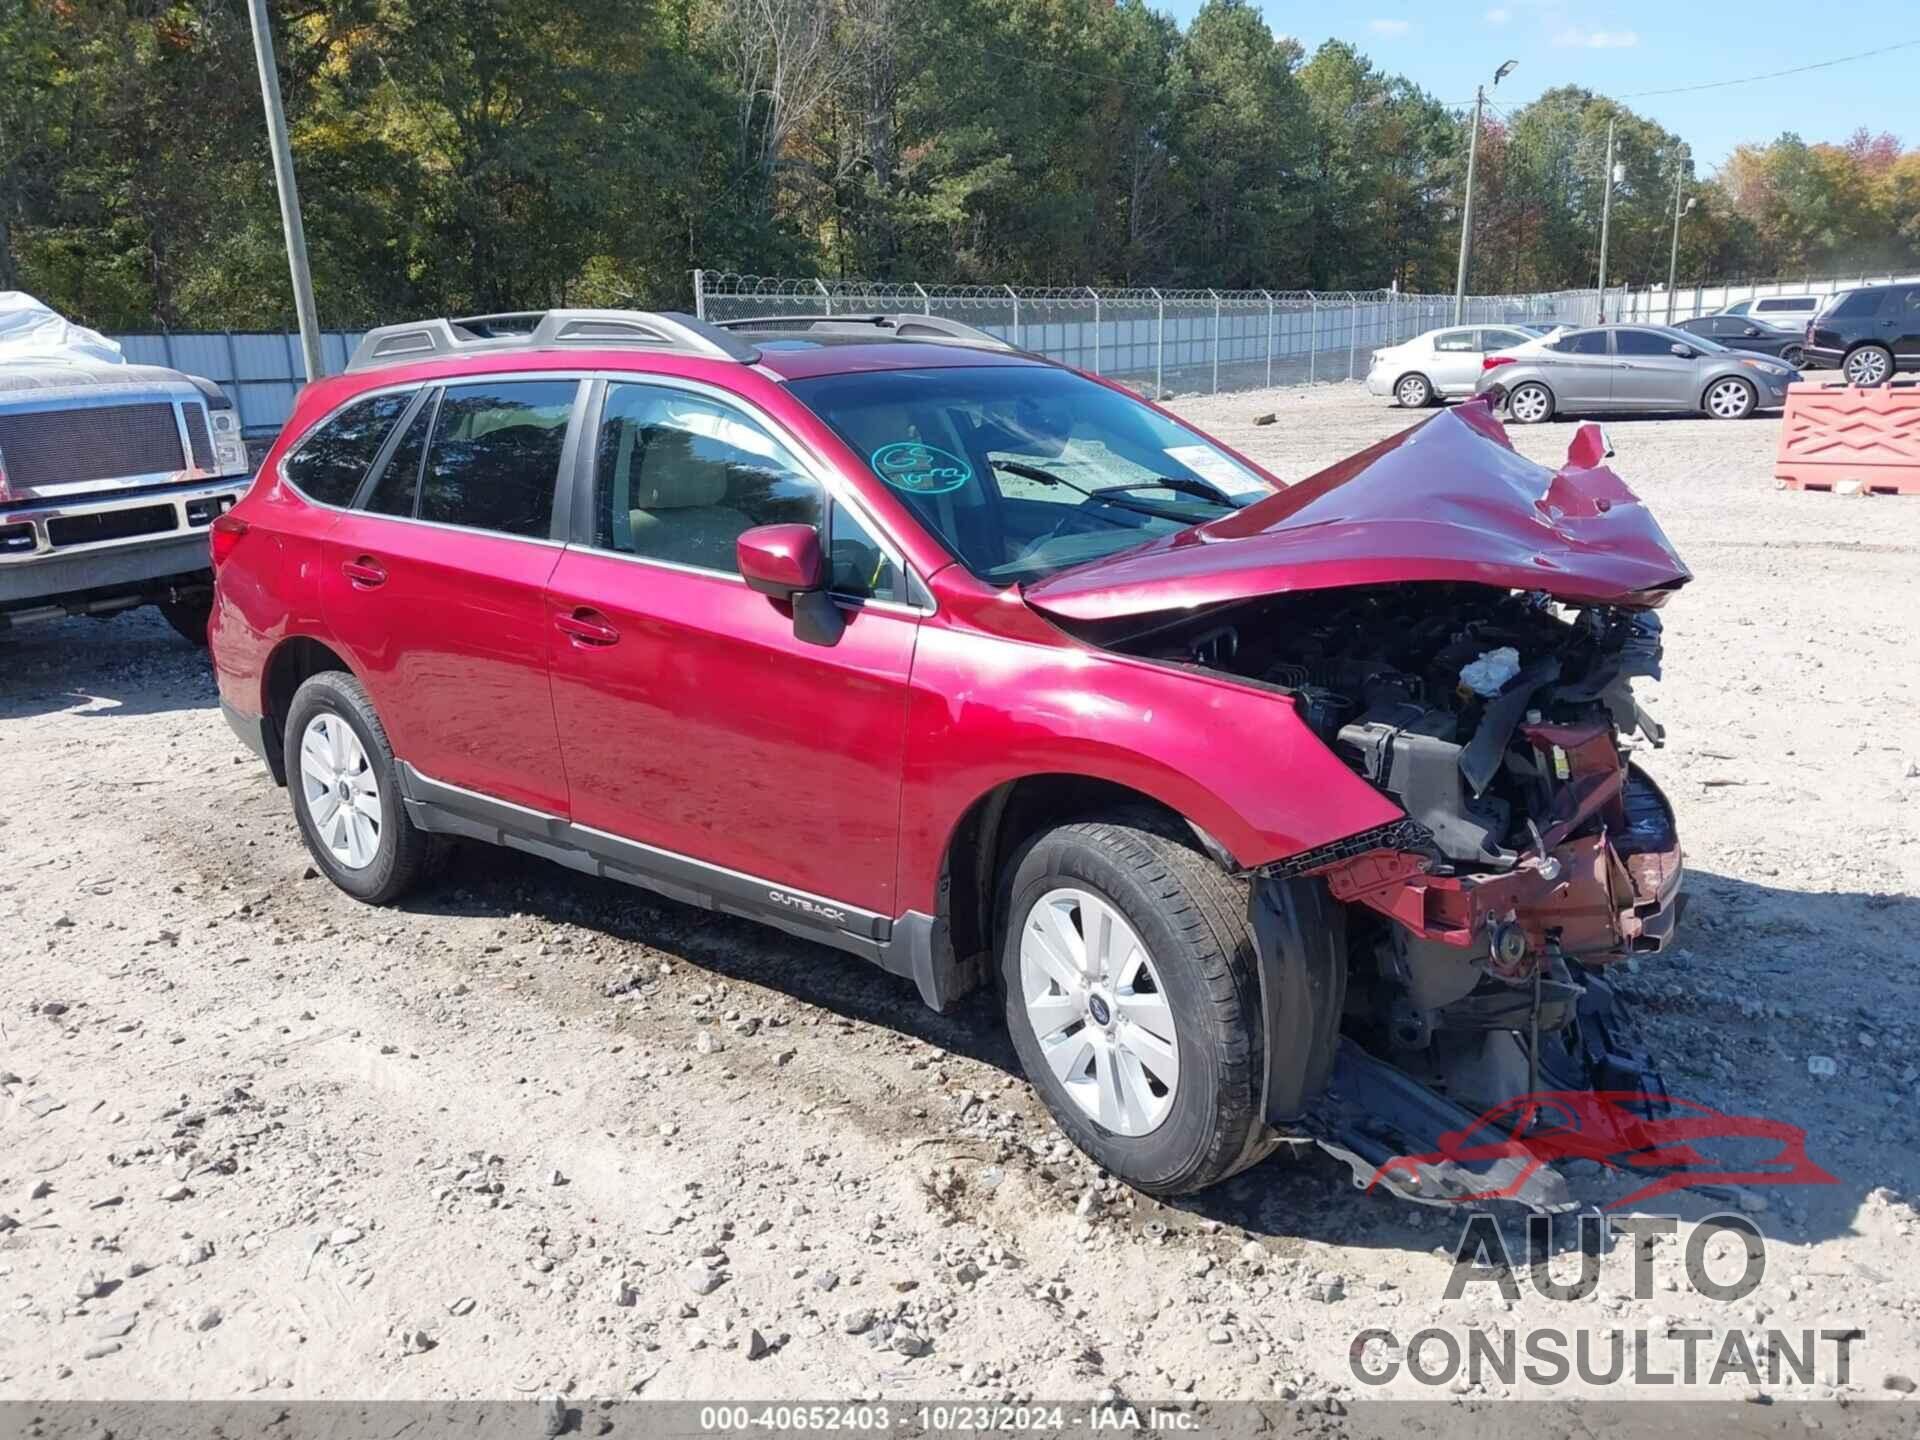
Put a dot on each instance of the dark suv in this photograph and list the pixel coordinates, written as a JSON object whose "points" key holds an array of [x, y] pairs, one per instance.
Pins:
{"points": [[886, 633], [1867, 333]]}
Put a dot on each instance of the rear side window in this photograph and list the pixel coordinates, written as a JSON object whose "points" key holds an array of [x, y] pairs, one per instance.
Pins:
{"points": [[334, 459], [1454, 340], [1800, 304], [679, 477], [1582, 342], [495, 456], [1857, 305]]}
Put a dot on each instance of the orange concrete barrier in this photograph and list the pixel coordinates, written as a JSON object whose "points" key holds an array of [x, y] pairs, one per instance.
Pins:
{"points": [[1849, 439]]}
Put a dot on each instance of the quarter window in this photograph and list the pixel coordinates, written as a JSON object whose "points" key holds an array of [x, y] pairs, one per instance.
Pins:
{"points": [[495, 456], [331, 462], [679, 477]]}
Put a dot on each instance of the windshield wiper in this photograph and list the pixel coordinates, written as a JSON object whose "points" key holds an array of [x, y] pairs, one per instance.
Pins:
{"points": [[1198, 488], [1105, 496]]}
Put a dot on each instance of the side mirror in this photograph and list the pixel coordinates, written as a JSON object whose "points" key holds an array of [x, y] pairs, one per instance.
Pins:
{"points": [[781, 560], [1685, 352], [1751, 330], [784, 563]]}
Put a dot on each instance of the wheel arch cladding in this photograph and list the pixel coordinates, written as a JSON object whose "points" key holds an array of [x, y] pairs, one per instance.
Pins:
{"points": [[998, 823], [293, 662]]}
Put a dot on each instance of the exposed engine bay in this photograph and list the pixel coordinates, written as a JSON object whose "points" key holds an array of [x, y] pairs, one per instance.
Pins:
{"points": [[1535, 853]]}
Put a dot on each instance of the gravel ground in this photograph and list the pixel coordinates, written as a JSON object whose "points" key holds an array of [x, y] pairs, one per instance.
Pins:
{"points": [[257, 1138]]}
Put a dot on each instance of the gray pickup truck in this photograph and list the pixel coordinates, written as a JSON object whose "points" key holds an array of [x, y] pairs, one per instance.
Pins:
{"points": [[109, 477]]}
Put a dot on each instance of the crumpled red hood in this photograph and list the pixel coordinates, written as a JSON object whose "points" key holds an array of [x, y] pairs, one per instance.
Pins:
{"points": [[1448, 499]]}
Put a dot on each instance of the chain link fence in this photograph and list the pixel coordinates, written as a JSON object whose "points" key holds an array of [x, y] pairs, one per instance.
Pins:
{"points": [[1656, 306], [1162, 342]]}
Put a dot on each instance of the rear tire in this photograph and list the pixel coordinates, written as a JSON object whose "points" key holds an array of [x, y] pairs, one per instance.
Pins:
{"points": [[1869, 365], [346, 791], [1413, 392], [1793, 355], [1181, 1109], [1530, 403], [188, 617]]}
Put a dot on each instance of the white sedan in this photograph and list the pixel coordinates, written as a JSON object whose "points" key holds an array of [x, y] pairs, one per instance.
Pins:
{"points": [[1442, 364]]}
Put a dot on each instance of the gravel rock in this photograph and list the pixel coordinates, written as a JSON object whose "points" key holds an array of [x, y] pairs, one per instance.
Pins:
{"points": [[703, 1279], [756, 1345], [1902, 1383]]}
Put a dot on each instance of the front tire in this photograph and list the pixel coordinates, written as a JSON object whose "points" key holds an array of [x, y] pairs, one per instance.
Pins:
{"points": [[1869, 365], [1132, 996], [1730, 399], [1413, 392], [1530, 404], [188, 617], [346, 791]]}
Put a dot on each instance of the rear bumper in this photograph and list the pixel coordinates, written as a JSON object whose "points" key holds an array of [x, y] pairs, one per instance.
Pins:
{"points": [[1818, 357], [251, 729]]}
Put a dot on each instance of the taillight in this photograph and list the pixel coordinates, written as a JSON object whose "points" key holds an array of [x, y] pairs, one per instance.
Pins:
{"points": [[1492, 361], [225, 534]]}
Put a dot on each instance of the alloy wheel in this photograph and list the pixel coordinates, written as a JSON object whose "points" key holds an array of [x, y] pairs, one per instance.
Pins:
{"points": [[1099, 1011], [1729, 399], [1529, 404], [1867, 366], [1413, 392], [341, 794]]}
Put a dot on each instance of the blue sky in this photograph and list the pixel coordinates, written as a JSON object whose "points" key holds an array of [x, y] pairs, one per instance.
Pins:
{"points": [[1621, 46]]}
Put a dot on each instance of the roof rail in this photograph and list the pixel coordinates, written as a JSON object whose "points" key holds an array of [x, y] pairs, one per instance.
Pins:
{"points": [[546, 330], [903, 325]]}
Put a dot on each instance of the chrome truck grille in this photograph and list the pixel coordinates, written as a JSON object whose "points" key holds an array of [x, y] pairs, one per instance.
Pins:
{"points": [[103, 442]]}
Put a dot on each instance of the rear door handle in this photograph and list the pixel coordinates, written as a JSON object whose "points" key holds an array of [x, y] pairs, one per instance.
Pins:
{"points": [[587, 627], [366, 573]]}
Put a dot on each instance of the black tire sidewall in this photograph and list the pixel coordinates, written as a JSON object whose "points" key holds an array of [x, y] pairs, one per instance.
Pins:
{"points": [[335, 693], [1166, 1158], [1426, 386], [1753, 399], [1892, 365]]}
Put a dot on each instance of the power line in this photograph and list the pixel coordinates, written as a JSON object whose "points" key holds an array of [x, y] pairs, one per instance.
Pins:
{"points": [[1773, 74]]}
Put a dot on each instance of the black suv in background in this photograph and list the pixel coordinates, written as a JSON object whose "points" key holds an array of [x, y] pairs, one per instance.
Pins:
{"points": [[1868, 333]]}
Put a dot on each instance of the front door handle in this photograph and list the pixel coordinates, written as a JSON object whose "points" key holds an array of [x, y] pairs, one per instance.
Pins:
{"points": [[587, 626], [366, 573]]}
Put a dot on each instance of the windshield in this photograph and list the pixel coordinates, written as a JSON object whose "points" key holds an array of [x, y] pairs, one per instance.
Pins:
{"points": [[1022, 471]]}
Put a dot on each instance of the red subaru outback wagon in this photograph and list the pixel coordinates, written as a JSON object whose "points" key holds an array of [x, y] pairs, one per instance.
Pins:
{"points": [[1269, 809]]}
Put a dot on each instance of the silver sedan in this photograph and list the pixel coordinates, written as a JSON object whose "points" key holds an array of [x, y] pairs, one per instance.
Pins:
{"points": [[1631, 367]]}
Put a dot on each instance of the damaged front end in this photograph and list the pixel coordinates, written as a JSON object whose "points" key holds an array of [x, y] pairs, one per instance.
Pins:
{"points": [[1433, 970]]}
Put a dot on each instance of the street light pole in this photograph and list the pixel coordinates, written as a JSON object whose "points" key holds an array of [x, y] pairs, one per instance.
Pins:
{"points": [[1673, 256], [1606, 218], [289, 193], [1466, 209]]}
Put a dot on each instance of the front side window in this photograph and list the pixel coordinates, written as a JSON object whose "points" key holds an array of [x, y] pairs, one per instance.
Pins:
{"points": [[334, 459], [679, 477], [1022, 470], [495, 456], [1643, 342]]}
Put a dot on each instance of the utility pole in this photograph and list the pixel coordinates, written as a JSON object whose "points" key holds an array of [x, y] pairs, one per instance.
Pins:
{"points": [[1606, 218], [1466, 208], [1673, 256], [289, 193]]}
